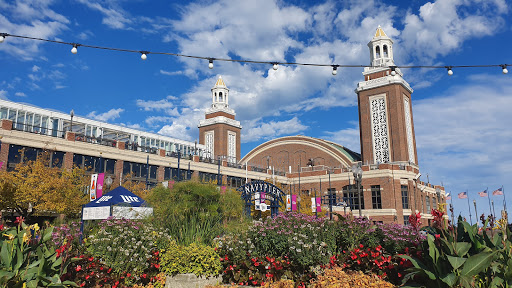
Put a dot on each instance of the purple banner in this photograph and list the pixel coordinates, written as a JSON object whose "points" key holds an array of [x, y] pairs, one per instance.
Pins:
{"points": [[262, 197], [318, 204], [294, 202], [171, 184], [1, 163], [222, 189], [99, 185]]}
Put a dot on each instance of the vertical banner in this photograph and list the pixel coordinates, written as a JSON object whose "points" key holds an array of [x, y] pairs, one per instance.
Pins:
{"points": [[171, 184], [92, 191], [313, 204], [294, 202], [99, 185], [1, 163], [262, 198], [257, 201], [318, 204], [223, 190], [288, 203]]}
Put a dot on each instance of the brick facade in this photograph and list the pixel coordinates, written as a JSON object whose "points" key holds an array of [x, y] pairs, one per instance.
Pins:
{"points": [[220, 132]]}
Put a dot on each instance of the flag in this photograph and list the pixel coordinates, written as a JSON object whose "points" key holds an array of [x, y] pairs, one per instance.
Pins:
{"points": [[463, 195], [498, 192], [483, 193], [448, 197]]}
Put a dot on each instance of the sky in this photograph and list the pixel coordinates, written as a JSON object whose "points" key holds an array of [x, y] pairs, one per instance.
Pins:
{"points": [[462, 122]]}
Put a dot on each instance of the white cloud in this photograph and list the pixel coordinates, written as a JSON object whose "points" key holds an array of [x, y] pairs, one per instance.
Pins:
{"points": [[107, 116], [153, 120], [442, 26], [58, 86], [20, 94], [463, 135], [151, 105], [35, 68], [255, 130], [172, 73], [3, 95], [113, 15], [177, 130]]}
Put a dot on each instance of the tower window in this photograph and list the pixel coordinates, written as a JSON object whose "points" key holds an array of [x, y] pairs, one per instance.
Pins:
{"points": [[385, 50], [377, 52], [220, 97]]}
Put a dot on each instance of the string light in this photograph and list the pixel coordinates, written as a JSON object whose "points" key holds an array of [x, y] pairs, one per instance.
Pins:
{"points": [[450, 72], [393, 72], [74, 50], [334, 69]]}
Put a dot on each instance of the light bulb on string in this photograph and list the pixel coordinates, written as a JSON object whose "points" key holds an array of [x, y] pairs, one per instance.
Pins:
{"points": [[74, 50], [504, 69], [274, 66], [144, 55], [393, 72], [450, 72], [210, 64], [2, 39], [334, 69]]}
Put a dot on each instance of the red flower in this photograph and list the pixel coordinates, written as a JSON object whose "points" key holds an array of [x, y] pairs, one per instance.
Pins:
{"points": [[83, 284], [254, 282], [144, 275], [78, 268], [438, 236], [128, 275], [256, 264], [361, 246], [1, 227], [87, 277], [157, 266]]}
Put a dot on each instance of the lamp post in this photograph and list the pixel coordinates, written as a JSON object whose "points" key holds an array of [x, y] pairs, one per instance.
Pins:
{"points": [[72, 113], [195, 147], [179, 158], [358, 176], [330, 194], [219, 179], [108, 182], [476, 213]]}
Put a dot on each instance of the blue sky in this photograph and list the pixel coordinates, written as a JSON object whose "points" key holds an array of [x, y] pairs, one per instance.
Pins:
{"points": [[462, 122]]}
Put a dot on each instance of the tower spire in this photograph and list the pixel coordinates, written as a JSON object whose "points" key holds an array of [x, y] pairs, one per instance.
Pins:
{"points": [[381, 49]]}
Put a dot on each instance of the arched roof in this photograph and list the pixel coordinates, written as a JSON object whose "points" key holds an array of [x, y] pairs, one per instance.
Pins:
{"points": [[314, 146]]}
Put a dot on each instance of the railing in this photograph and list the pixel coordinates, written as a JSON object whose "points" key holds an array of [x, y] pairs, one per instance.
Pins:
{"points": [[38, 130]]}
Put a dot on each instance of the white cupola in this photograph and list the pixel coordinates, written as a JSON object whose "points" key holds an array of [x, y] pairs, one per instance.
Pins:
{"points": [[220, 94], [381, 49]]}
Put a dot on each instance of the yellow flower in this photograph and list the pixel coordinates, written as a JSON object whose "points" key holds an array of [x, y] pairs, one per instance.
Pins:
{"points": [[25, 285], [34, 227], [25, 237], [9, 236]]}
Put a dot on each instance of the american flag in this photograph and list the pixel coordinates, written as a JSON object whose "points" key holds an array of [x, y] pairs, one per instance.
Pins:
{"points": [[483, 193], [463, 195], [498, 192], [448, 197]]}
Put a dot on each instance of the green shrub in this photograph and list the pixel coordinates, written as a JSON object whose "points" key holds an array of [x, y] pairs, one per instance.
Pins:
{"points": [[198, 259], [126, 245]]}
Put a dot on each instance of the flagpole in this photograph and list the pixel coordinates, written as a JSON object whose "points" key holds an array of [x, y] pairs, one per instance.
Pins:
{"points": [[489, 198], [469, 208], [504, 201]]}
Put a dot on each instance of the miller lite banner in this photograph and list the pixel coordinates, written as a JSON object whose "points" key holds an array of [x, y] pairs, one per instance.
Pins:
{"points": [[94, 184], [288, 203]]}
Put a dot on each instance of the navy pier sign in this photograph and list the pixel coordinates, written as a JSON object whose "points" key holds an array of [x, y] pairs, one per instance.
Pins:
{"points": [[272, 193]]}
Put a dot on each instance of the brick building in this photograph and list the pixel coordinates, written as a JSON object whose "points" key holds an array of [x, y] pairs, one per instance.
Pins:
{"points": [[389, 189]]}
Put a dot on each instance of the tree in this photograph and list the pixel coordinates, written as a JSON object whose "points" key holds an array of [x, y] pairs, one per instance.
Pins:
{"points": [[136, 187], [34, 187]]}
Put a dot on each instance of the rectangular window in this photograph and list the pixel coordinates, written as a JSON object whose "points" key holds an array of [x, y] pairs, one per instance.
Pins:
{"points": [[350, 193], [376, 197], [406, 220], [3, 113], [127, 168], [427, 204], [434, 202], [405, 197]]}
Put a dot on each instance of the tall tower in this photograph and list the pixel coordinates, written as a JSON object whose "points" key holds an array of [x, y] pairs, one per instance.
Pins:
{"points": [[220, 132], [385, 114]]}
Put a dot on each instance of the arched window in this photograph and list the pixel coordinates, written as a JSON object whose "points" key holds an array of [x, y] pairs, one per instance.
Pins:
{"points": [[385, 50], [220, 97], [377, 52]]}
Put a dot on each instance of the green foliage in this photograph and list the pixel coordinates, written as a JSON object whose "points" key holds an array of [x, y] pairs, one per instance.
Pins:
{"points": [[27, 258], [198, 259], [126, 245], [463, 257], [195, 212]]}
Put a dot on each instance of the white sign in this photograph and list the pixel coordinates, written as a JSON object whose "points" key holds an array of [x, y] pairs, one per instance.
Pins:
{"points": [[131, 212], [263, 207], [96, 213], [313, 204]]}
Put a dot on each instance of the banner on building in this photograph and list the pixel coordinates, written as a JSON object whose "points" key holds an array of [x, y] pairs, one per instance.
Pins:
{"points": [[318, 203], [99, 185], [294, 202], [92, 190], [288, 203]]}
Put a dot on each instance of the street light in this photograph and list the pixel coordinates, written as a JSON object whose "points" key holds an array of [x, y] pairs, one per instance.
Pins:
{"points": [[72, 113], [358, 176], [330, 194]]}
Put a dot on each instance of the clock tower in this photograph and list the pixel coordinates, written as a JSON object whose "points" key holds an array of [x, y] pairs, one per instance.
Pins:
{"points": [[220, 132], [385, 112]]}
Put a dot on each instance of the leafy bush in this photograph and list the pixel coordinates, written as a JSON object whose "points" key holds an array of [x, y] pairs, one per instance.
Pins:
{"points": [[463, 256], [28, 259], [198, 259], [126, 245]]}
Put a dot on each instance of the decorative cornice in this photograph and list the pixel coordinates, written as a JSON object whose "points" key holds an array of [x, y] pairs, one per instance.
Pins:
{"points": [[383, 81], [214, 109], [219, 120]]}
